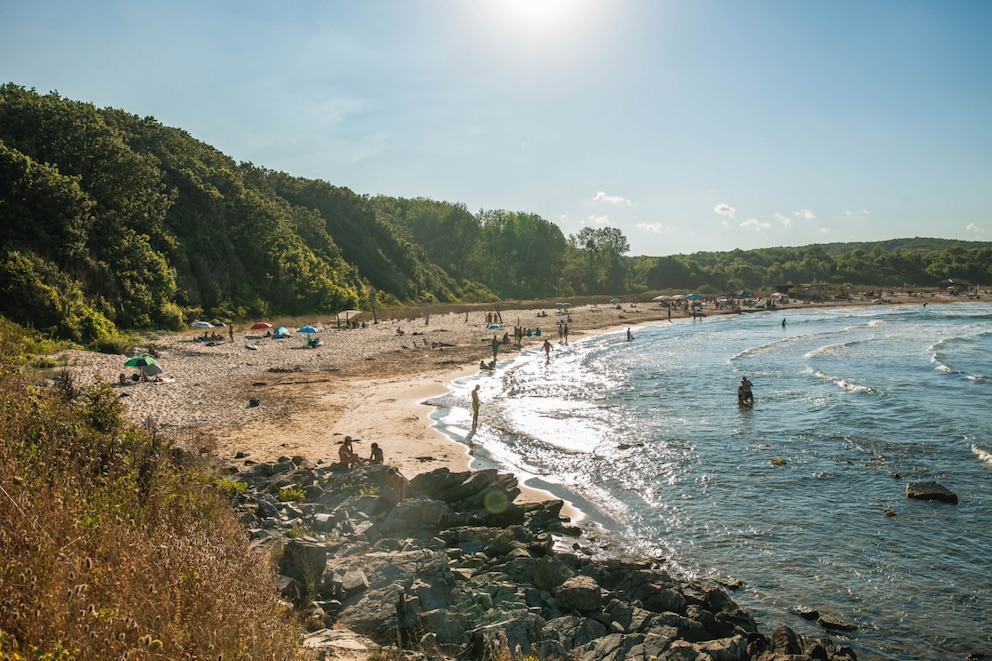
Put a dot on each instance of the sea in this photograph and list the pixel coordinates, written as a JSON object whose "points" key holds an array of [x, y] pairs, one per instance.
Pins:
{"points": [[800, 497]]}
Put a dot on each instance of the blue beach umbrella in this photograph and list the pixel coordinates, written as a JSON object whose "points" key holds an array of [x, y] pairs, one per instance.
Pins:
{"points": [[308, 330]]}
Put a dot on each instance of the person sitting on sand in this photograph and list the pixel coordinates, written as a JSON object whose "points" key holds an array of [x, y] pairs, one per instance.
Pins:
{"points": [[346, 454], [121, 379], [376, 457]]}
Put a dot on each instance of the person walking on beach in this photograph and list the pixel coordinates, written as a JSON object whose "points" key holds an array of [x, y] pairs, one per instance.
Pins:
{"points": [[475, 406], [495, 348], [547, 350]]}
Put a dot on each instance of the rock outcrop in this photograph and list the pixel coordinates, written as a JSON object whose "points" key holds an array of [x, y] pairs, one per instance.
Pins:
{"points": [[457, 569], [931, 491]]}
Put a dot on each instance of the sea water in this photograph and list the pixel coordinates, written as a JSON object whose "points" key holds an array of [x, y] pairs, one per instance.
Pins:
{"points": [[646, 437]]}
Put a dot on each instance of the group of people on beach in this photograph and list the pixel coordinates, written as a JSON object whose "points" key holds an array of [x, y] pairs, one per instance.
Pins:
{"points": [[394, 489], [350, 458]]}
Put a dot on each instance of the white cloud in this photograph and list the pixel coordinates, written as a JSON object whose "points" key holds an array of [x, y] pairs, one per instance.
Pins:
{"points": [[653, 228], [824, 230], [755, 224], [782, 218], [805, 214], [863, 212], [611, 199], [597, 220], [724, 209], [975, 229]]}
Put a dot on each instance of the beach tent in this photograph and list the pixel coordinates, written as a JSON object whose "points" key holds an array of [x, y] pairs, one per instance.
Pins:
{"points": [[202, 324], [280, 333]]}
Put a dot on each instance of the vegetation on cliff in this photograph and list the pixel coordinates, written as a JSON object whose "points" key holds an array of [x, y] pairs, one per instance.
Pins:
{"points": [[112, 546], [111, 222]]}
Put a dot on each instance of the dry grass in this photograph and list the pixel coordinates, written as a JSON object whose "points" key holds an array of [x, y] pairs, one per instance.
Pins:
{"points": [[110, 548]]}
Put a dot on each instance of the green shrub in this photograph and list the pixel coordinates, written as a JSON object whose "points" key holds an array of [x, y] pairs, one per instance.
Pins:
{"points": [[287, 494]]}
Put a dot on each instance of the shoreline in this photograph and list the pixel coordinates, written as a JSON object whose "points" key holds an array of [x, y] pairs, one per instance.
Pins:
{"points": [[248, 406]]}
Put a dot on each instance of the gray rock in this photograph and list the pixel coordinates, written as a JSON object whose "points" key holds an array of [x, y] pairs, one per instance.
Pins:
{"points": [[836, 622], [931, 491], [303, 561], [522, 630], [580, 593], [724, 649], [338, 643]]}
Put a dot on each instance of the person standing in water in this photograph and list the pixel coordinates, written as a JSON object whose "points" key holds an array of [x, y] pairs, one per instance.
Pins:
{"points": [[475, 406], [630, 336], [744, 394]]}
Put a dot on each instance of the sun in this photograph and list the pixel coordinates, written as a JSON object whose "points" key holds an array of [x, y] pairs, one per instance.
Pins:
{"points": [[535, 18]]}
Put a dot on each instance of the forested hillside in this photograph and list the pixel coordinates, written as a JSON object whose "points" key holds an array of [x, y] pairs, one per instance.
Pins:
{"points": [[109, 221]]}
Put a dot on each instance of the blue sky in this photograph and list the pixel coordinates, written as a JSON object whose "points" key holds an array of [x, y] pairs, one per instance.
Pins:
{"points": [[688, 124]]}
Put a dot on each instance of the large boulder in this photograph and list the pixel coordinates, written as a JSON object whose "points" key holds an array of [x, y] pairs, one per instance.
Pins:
{"points": [[303, 561], [579, 593], [931, 491]]}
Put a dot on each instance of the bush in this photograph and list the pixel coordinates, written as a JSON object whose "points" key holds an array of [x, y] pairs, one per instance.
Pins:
{"points": [[114, 343], [113, 550]]}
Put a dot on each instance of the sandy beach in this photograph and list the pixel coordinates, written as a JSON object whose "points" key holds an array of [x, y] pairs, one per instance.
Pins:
{"points": [[284, 398]]}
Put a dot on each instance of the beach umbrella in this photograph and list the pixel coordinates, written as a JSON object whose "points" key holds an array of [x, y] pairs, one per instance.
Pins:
{"points": [[308, 330], [694, 296], [614, 300], [661, 298], [744, 294], [262, 325], [202, 324], [146, 364], [347, 314]]}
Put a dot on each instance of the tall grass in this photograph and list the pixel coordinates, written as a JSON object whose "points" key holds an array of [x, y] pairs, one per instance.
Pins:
{"points": [[111, 547]]}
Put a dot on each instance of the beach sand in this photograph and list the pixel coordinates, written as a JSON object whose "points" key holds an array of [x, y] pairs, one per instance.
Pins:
{"points": [[286, 399]]}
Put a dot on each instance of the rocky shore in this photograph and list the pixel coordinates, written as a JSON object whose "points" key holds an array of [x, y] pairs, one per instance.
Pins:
{"points": [[459, 569]]}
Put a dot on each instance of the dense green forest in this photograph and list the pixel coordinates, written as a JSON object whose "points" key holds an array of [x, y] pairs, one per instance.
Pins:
{"points": [[109, 221]]}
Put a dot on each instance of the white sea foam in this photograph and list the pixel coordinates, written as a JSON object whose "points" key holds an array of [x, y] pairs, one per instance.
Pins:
{"points": [[983, 454]]}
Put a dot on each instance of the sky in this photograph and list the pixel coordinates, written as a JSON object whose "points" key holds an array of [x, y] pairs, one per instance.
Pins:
{"points": [[687, 124]]}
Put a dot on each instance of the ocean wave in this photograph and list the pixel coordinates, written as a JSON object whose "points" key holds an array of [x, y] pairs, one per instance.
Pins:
{"points": [[848, 385], [983, 454]]}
